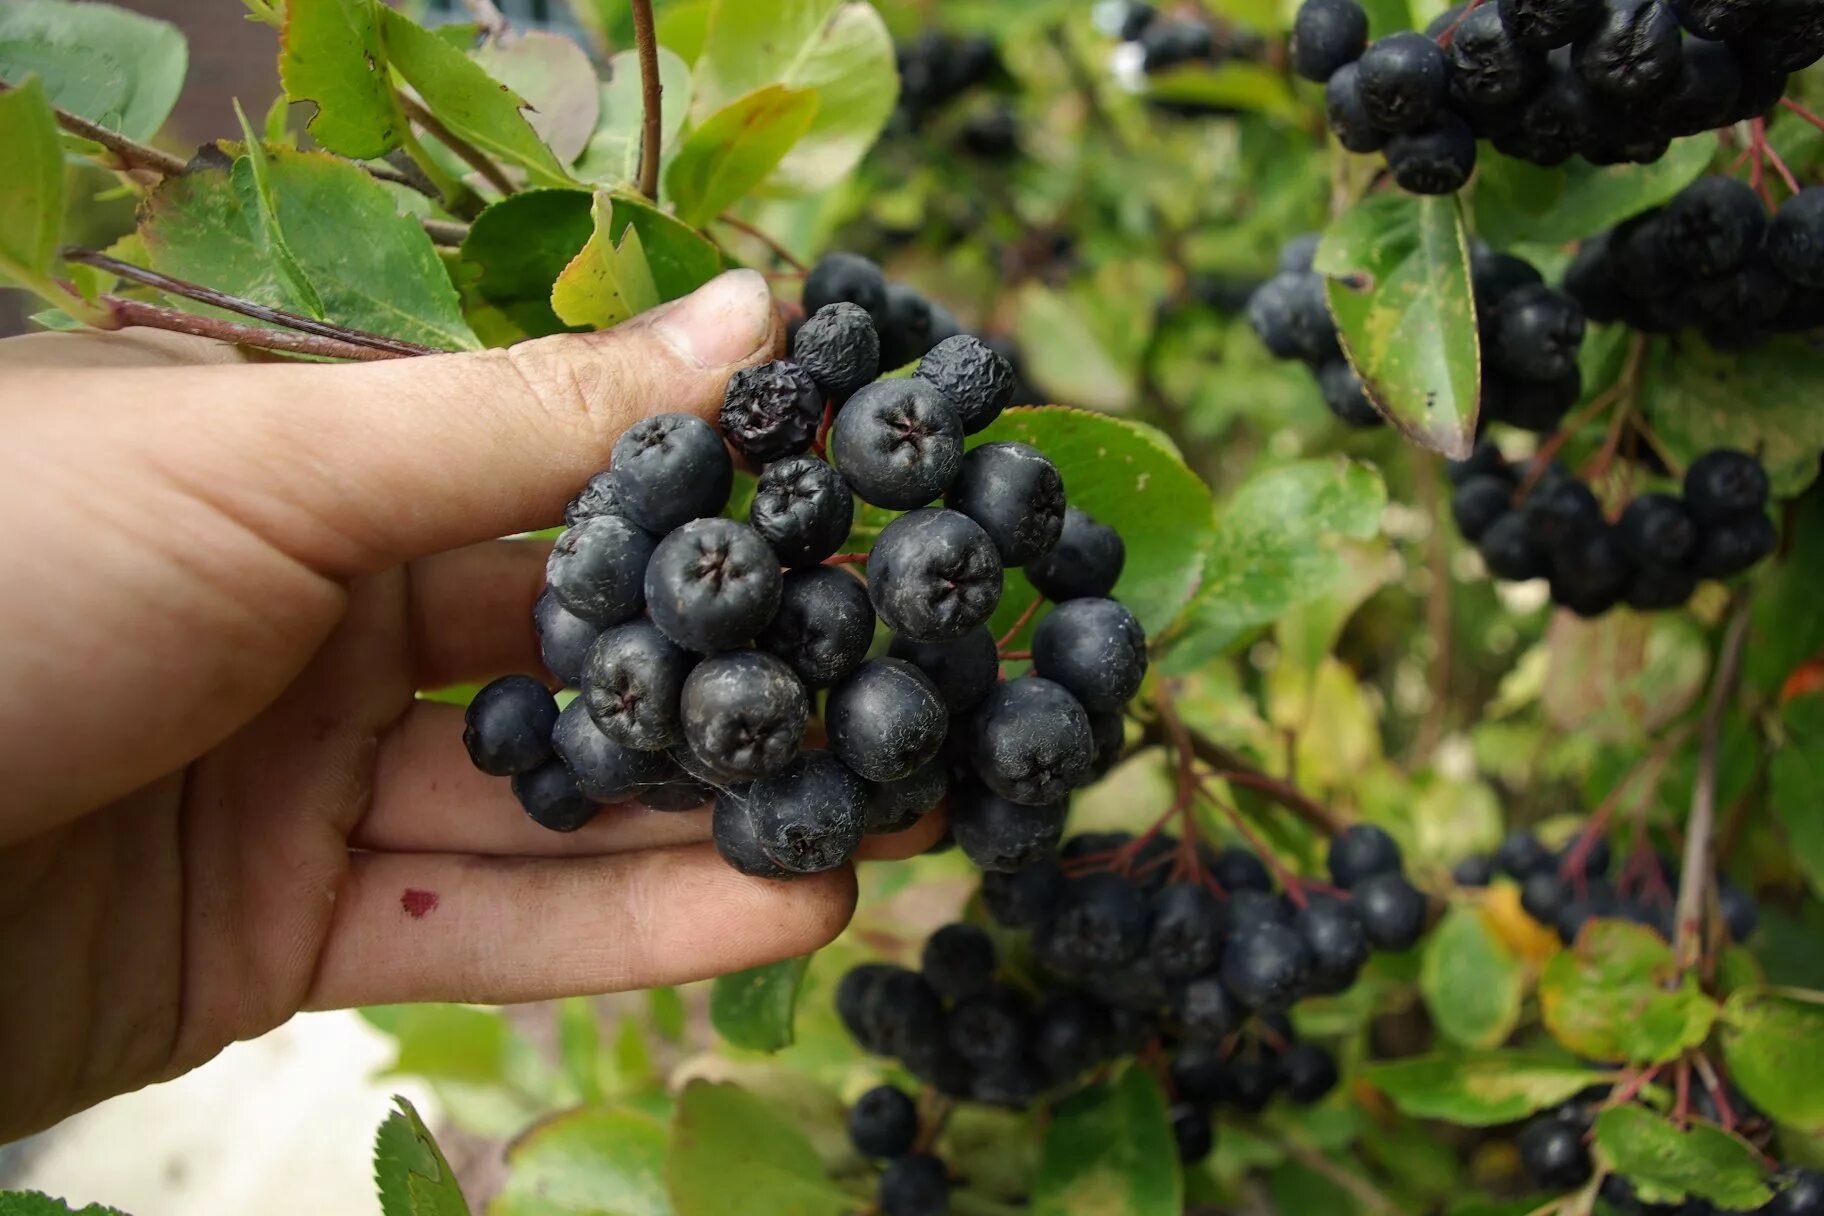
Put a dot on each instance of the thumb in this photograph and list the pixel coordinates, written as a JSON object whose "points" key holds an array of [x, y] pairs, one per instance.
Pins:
{"points": [[378, 463]]}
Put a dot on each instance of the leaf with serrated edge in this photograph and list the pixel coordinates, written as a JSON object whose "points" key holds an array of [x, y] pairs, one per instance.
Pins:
{"points": [[754, 1008], [284, 261], [1480, 1089], [1666, 1164], [735, 148], [410, 1171], [516, 249], [608, 280], [1397, 271], [1774, 1046], [331, 54], [1472, 982], [31, 190], [1109, 1150], [726, 1143], [116, 68], [590, 1162], [554, 76], [1618, 994], [33, 1203]]}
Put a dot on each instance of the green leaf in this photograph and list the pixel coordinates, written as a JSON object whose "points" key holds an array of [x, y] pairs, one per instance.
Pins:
{"points": [[472, 104], [1060, 337], [31, 190], [489, 1077], [1109, 1152], [1795, 778], [579, 1046], [732, 1153], [410, 1171], [1774, 1046], [1516, 201], [1666, 1164], [1617, 994], [331, 53], [754, 1008], [735, 148], [609, 280], [1130, 477], [1788, 628], [590, 1162], [32, 1203], [555, 78], [1236, 85], [266, 207], [516, 249], [612, 156], [1479, 1089], [1761, 400], [681, 258], [841, 50], [209, 226], [666, 1009], [1472, 982], [116, 68], [1398, 285], [1274, 549]]}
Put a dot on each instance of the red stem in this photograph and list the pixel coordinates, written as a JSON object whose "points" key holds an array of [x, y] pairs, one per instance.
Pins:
{"points": [[1802, 112], [846, 559], [1006, 639], [1287, 879]]}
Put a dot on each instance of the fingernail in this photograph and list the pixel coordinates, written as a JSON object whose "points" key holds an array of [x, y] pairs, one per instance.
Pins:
{"points": [[722, 322]]}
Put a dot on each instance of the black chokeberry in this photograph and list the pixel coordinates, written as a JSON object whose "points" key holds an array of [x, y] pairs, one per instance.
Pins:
{"points": [[1359, 850], [507, 726], [1712, 225], [670, 469], [885, 719], [713, 584], [1724, 484], [1656, 530], [914, 1185], [1478, 503], [1495, 276], [1101, 921], [1205, 1011], [1654, 588], [1544, 895], [1705, 92], [1030, 741], [1590, 573], [1024, 898], [977, 379], [808, 817], [1348, 119], [1476, 870], [1734, 545], [824, 625], [1553, 1154], [963, 670], [1511, 551], [934, 575], [552, 799], [1307, 1072], [1266, 966], [1391, 910], [1521, 855], [1434, 159], [846, 278], [839, 349], [1488, 67], [898, 443], [894, 806], [1633, 53], [631, 681], [1536, 334], [597, 569], [909, 328], [1095, 649], [988, 1027], [1719, 19], [1015, 494], [1542, 25], [958, 960], [1069, 1034], [1531, 405], [1300, 253], [1346, 395], [564, 638], [1237, 869], [771, 411], [598, 497], [883, 1122], [606, 770], [1086, 562], [1337, 941], [1795, 237], [1326, 34], [744, 714], [1192, 1132], [1000, 835], [803, 509], [1404, 81], [1186, 937], [1560, 509]]}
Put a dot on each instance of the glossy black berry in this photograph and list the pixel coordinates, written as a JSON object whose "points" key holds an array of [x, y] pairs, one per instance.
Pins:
{"points": [[1307, 1072], [1359, 850], [958, 960], [1069, 1033], [1736, 545], [1590, 573], [1654, 588], [916, 1185], [934, 575], [564, 638], [1192, 1132], [744, 714], [1488, 67], [1511, 551], [1724, 484], [963, 670], [1404, 81], [631, 681], [1557, 120], [846, 278], [894, 806], [809, 817], [1560, 509], [1026, 897], [1706, 90], [988, 1028], [1016, 495], [909, 329], [1186, 937], [552, 799], [771, 411], [1030, 741], [507, 727], [1495, 276], [1478, 503], [1326, 34], [1536, 334], [713, 584], [1476, 870], [886, 719], [839, 349], [977, 379], [1795, 238], [1541, 25], [1337, 941], [606, 770], [1391, 910], [670, 469], [1435, 159], [883, 1122], [1633, 53], [1289, 314], [1544, 895], [1086, 561], [1300, 253], [1095, 649], [598, 497], [1237, 869], [898, 443], [1000, 835], [597, 569], [1266, 966], [1521, 855], [1101, 921], [1348, 118], [1205, 1011], [1656, 530], [1712, 225], [824, 625], [1719, 19], [1553, 1154], [803, 509]]}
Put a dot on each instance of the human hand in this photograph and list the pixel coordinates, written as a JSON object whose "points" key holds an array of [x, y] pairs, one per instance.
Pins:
{"points": [[226, 584]]}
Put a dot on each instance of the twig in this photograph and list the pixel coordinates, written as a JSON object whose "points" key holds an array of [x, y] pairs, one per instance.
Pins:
{"points": [[1234, 769], [779, 251], [446, 232], [1773, 157], [1694, 882], [124, 312], [132, 153], [1802, 112], [247, 308], [472, 156], [1006, 639], [1365, 1192], [650, 89]]}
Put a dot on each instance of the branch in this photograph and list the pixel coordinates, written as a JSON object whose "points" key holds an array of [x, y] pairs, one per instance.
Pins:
{"points": [[779, 251], [131, 153], [648, 43], [247, 308], [1234, 769], [450, 233], [1694, 881], [124, 312], [472, 156]]}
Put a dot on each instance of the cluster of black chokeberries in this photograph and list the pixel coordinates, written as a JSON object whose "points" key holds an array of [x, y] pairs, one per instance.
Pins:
{"points": [[1542, 80], [1153, 42], [935, 70], [1289, 315], [1566, 889], [1651, 557], [1141, 945], [884, 1126], [1710, 260], [907, 324], [700, 643]]}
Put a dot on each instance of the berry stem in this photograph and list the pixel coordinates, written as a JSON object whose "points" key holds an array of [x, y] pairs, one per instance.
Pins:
{"points": [[1450, 33], [1802, 112], [1025, 619], [846, 559], [1696, 879], [1016, 656], [247, 308], [1773, 157], [1713, 1085], [1231, 767], [651, 135], [1287, 879], [1629, 1089], [472, 156], [1579, 852], [1681, 1084], [772, 244], [122, 312]]}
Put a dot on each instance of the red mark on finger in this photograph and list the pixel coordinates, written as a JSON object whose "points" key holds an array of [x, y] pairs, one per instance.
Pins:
{"points": [[416, 903]]}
